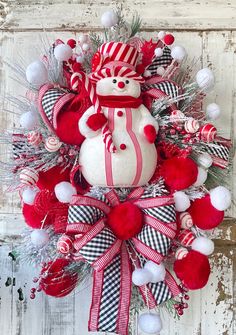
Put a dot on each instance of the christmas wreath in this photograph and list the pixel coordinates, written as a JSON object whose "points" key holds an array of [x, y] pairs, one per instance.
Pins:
{"points": [[118, 169]]}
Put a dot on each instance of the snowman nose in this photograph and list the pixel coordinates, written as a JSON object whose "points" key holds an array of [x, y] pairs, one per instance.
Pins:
{"points": [[121, 84]]}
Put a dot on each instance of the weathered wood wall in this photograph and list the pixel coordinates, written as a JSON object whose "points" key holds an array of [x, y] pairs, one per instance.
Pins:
{"points": [[207, 29]]}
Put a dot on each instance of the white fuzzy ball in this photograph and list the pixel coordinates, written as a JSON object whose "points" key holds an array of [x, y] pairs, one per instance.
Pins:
{"points": [[220, 198], [178, 52], [85, 46], [80, 59], [205, 160], [203, 245], [150, 323], [64, 191], [158, 52], [147, 73], [62, 52], [201, 177], [141, 277], [36, 73], [205, 79], [29, 195], [160, 70], [83, 38], [39, 238], [182, 201], [109, 19], [29, 120], [158, 271], [161, 35], [213, 111]]}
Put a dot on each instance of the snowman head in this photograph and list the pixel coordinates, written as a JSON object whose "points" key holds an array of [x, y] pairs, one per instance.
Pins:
{"points": [[118, 86]]}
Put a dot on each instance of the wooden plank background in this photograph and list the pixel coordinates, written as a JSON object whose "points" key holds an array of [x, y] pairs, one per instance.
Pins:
{"points": [[207, 29]]}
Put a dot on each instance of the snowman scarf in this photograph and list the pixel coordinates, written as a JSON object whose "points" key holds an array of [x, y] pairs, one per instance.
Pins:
{"points": [[113, 259], [120, 101]]}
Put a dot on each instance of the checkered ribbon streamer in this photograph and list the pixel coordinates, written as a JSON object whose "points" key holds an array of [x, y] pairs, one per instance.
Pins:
{"points": [[96, 243], [219, 151], [164, 61]]}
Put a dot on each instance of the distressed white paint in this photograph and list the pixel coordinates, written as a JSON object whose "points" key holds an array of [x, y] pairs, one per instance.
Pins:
{"points": [[21, 23]]}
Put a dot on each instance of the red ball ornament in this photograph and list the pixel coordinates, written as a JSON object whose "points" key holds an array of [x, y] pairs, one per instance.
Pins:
{"points": [[193, 270], [179, 172], [55, 280], [204, 215], [169, 39], [72, 43], [125, 220], [32, 218]]}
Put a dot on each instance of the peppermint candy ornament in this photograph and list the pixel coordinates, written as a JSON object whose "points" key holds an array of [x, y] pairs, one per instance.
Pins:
{"points": [[29, 176], [191, 126], [208, 133], [181, 252], [52, 144], [34, 138], [186, 220], [65, 244], [186, 237]]}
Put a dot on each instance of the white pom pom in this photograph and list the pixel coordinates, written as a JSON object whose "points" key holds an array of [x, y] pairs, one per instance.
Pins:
{"points": [[80, 59], [205, 79], [29, 195], [141, 277], [182, 201], [205, 160], [161, 35], [220, 198], [203, 245], [178, 52], [109, 19], [39, 238], [160, 70], [213, 111], [158, 52], [29, 120], [36, 73], [147, 73], [64, 191], [201, 177], [83, 38], [62, 52], [158, 271], [85, 46], [150, 323]]}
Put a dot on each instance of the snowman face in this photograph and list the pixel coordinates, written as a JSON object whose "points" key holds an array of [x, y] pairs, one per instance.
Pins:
{"points": [[118, 86]]}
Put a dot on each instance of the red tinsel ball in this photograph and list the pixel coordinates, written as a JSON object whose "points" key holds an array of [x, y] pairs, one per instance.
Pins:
{"points": [[179, 172], [125, 220], [169, 39], [49, 179], [32, 217], [193, 270], [204, 215], [55, 280]]}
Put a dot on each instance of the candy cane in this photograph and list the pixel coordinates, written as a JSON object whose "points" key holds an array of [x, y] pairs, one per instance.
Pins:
{"points": [[78, 77]]}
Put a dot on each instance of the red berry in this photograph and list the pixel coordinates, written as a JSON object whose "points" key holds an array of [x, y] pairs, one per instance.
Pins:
{"points": [[32, 296], [169, 39], [71, 43], [186, 297], [180, 312]]}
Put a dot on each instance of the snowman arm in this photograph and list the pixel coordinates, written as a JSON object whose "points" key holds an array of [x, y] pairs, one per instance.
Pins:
{"points": [[148, 125], [85, 123]]}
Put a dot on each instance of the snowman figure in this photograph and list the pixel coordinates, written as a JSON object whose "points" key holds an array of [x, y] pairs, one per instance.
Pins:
{"points": [[132, 126]]}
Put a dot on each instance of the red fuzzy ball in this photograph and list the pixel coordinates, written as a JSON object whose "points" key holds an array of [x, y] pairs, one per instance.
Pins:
{"points": [[67, 128], [55, 280], [204, 215], [179, 172], [169, 39], [49, 179], [72, 43], [96, 121], [150, 133], [193, 270], [32, 218], [125, 220]]}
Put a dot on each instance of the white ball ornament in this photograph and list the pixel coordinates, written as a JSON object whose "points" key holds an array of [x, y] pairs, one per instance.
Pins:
{"points": [[62, 52], [36, 73], [178, 52], [158, 271], [220, 198], [160, 70], [64, 191], [201, 177], [29, 120], [203, 245], [80, 59], [161, 34], [39, 238], [147, 73], [83, 38], [205, 160], [158, 52], [109, 19], [205, 79], [29, 195], [150, 323], [213, 111], [182, 201], [141, 277], [85, 46]]}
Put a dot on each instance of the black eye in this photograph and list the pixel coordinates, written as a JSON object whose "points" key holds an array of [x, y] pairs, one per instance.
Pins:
{"points": [[114, 81], [127, 81]]}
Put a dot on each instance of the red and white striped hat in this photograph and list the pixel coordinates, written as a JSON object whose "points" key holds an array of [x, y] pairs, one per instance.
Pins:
{"points": [[115, 59]]}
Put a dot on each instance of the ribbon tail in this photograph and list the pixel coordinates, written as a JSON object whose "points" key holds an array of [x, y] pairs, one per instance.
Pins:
{"points": [[111, 296]]}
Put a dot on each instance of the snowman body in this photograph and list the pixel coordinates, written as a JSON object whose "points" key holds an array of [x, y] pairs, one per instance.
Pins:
{"points": [[135, 159]]}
